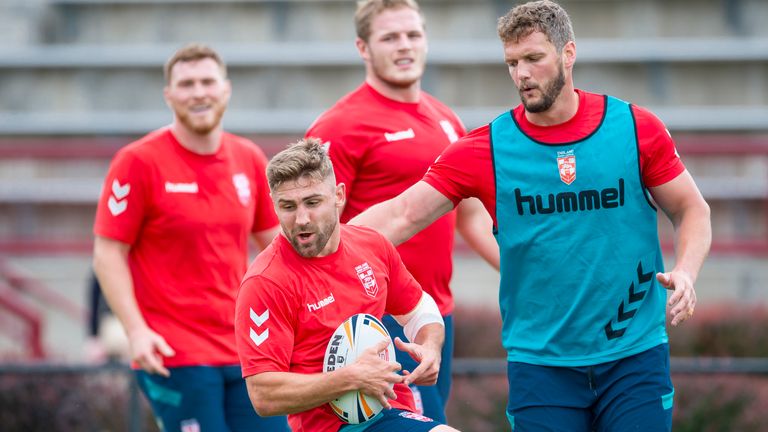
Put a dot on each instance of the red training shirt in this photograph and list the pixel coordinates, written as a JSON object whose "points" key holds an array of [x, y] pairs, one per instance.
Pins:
{"points": [[380, 147], [187, 218], [289, 306]]}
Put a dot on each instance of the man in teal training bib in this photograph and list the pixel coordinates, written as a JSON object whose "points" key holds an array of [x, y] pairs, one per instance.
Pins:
{"points": [[573, 181]]}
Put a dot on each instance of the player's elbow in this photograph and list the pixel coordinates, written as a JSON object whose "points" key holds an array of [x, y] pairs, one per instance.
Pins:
{"points": [[263, 405], [706, 212], [266, 410], [264, 395]]}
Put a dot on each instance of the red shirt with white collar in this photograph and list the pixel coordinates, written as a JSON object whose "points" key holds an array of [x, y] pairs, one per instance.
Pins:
{"points": [[187, 218], [289, 306]]}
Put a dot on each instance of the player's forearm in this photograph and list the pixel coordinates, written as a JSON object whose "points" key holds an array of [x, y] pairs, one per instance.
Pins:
{"points": [[388, 218], [399, 218], [431, 336], [111, 267], [280, 393], [693, 237]]}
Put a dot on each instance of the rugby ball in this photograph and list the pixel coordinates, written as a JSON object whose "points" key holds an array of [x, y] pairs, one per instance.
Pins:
{"points": [[356, 334]]}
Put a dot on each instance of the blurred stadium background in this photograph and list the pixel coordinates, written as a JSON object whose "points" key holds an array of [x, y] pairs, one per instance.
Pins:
{"points": [[81, 78]]}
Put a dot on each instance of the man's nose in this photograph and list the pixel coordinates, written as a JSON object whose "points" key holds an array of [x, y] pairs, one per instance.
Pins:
{"points": [[198, 89], [522, 71], [404, 42], [302, 216]]}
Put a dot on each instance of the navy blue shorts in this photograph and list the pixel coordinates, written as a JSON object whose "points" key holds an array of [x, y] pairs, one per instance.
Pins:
{"points": [[394, 420], [430, 400], [631, 394], [205, 398]]}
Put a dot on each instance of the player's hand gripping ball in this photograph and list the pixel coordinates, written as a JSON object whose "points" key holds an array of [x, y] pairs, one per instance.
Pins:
{"points": [[358, 333]]}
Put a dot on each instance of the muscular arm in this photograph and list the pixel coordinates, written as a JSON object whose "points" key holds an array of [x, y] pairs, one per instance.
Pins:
{"points": [[276, 393], [110, 263], [476, 227], [683, 204], [399, 218]]}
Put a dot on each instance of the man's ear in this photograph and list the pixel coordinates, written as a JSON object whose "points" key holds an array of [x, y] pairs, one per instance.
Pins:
{"points": [[341, 195], [362, 49], [569, 54], [228, 89], [166, 91]]}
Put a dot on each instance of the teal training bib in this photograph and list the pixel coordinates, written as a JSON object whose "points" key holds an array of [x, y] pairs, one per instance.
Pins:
{"points": [[579, 245]]}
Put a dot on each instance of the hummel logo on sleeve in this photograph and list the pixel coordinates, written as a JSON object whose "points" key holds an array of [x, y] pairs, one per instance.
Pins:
{"points": [[259, 320], [117, 202]]}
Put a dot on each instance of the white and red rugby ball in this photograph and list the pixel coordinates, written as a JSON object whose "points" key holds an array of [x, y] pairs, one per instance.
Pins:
{"points": [[356, 334]]}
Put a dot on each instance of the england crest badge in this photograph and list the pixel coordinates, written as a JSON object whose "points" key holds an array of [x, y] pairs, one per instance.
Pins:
{"points": [[367, 278], [566, 165], [243, 187]]}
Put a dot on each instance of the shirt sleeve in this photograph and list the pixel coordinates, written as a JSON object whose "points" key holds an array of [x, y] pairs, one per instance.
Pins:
{"points": [[124, 199], [659, 160], [464, 168], [265, 325], [265, 217]]}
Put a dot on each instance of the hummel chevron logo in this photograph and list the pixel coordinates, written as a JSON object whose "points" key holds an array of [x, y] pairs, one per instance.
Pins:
{"points": [[257, 319], [116, 207], [610, 332], [120, 191], [643, 277], [259, 339], [625, 316], [116, 203], [635, 296], [624, 313]]}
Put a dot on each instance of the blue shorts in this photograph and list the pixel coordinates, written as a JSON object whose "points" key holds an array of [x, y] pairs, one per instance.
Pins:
{"points": [[204, 398], [394, 420], [631, 394], [430, 400]]}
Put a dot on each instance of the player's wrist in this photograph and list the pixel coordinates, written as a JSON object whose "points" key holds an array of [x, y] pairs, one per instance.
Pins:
{"points": [[348, 379], [137, 329], [684, 272]]}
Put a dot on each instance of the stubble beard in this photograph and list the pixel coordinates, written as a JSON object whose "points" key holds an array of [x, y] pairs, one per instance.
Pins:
{"points": [[312, 250], [549, 94], [203, 128]]}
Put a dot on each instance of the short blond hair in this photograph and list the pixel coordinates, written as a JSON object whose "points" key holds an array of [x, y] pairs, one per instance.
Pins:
{"points": [[306, 158], [368, 9], [193, 52], [544, 16]]}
